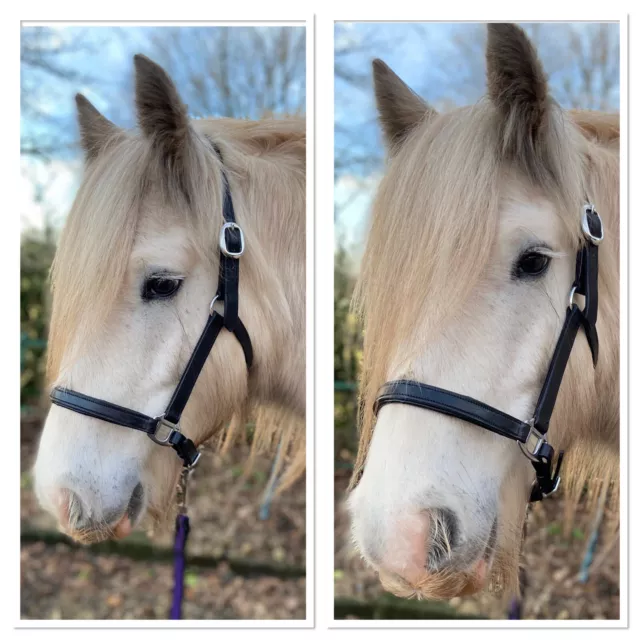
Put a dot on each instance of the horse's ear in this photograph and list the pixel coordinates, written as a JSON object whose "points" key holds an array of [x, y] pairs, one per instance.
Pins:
{"points": [[161, 114], [517, 87], [95, 129], [400, 109]]}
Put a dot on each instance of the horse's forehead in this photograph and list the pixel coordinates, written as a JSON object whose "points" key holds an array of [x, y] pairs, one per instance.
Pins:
{"points": [[527, 214], [161, 241]]}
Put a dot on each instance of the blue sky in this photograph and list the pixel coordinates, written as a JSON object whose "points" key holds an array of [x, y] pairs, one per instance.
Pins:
{"points": [[444, 63]]}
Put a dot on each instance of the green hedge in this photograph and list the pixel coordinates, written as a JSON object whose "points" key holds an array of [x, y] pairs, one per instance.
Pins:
{"points": [[36, 255], [347, 357]]}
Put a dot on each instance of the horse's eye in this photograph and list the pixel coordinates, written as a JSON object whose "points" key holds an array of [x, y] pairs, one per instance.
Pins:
{"points": [[160, 287], [531, 264]]}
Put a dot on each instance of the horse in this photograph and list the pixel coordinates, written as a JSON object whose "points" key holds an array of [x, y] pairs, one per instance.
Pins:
{"points": [[133, 282], [464, 283]]}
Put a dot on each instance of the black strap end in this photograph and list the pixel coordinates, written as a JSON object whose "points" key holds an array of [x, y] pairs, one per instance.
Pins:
{"points": [[185, 448]]}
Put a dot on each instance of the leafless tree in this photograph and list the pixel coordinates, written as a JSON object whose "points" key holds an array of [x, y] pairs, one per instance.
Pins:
{"points": [[235, 72], [354, 153], [48, 74], [582, 62]]}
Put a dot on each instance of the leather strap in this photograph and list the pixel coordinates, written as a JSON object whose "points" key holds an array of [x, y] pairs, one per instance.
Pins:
{"points": [[103, 410], [228, 288], [189, 377], [121, 416], [452, 404], [586, 284], [197, 361], [555, 372], [229, 278], [242, 335]]}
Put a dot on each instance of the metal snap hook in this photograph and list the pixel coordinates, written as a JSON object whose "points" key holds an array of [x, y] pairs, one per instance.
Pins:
{"points": [[556, 484]]}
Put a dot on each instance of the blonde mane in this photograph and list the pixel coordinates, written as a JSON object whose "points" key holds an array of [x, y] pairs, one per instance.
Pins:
{"points": [[265, 165], [455, 163]]}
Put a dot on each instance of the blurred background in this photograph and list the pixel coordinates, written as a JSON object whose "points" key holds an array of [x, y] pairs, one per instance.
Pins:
{"points": [[245, 566], [571, 559]]}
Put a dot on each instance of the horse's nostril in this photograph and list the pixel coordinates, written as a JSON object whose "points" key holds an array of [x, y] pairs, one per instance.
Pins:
{"points": [[444, 536], [452, 525], [75, 515], [70, 509], [135, 503]]}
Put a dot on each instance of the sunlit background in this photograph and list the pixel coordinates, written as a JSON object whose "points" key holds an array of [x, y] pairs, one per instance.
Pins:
{"points": [[246, 567], [444, 63]]}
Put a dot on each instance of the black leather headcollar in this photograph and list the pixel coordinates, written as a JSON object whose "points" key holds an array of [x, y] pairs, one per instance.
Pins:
{"points": [[165, 429], [531, 435]]}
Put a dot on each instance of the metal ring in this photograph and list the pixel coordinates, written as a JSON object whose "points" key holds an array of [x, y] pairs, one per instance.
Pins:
{"points": [[586, 228], [571, 294], [213, 301]]}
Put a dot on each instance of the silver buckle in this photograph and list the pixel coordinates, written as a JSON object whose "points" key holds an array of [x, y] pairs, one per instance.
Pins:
{"points": [[223, 240], [586, 230], [536, 438], [169, 426]]}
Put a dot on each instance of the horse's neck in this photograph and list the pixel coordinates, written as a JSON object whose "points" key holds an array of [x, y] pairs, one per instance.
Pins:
{"points": [[284, 382], [592, 410], [607, 414], [286, 385], [280, 377]]}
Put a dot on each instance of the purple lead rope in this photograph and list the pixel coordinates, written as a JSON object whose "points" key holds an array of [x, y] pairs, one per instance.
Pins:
{"points": [[515, 609], [182, 533], [180, 544]]}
